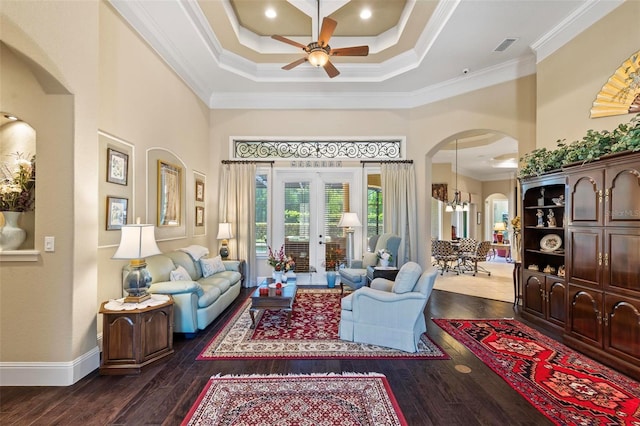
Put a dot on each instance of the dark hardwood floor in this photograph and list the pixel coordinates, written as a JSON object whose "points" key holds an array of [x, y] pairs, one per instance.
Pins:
{"points": [[429, 392]]}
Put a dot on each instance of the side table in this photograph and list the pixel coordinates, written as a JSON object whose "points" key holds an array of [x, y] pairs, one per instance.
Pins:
{"points": [[387, 272], [133, 336]]}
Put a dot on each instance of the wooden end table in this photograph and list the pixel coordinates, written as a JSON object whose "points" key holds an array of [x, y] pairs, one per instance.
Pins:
{"points": [[283, 302], [387, 272], [133, 338]]}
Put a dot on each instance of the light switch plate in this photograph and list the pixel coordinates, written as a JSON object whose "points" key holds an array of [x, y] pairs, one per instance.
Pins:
{"points": [[49, 244]]}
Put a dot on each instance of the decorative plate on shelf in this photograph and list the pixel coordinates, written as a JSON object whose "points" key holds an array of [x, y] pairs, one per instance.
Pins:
{"points": [[550, 242]]}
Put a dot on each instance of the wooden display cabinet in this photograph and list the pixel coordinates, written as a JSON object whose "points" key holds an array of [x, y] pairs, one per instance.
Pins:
{"points": [[603, 261], [543, 290], [132, 339]]}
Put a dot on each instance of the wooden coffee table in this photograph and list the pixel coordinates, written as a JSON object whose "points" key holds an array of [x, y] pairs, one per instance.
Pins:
{"points": [[283, 302]]}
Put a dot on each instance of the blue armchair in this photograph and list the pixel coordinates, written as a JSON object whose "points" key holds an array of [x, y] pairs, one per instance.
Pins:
{"points": [[356, 276], [390, 313]]}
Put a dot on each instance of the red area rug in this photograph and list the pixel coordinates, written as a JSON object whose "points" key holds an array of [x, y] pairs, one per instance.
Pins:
{"points": [[566, 386], [347, 399], [313, 333]]}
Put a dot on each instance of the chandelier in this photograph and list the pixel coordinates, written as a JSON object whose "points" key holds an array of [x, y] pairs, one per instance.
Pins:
{"points": [[456, 205]]}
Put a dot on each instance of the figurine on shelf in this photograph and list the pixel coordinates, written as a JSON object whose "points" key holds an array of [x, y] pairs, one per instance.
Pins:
{"points": [[541, 199], [549, 269], [561, 271], [540, 215], [552, 220]]}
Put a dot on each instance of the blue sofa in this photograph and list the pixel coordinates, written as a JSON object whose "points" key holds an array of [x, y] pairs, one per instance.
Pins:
{"points": [[199, 301]]}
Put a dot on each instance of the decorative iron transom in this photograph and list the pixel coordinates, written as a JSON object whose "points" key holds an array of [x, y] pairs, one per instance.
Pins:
{"points": [[376, 149]]}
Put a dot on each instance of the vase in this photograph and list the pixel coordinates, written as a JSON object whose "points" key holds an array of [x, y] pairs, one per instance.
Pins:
{"points": [[11, 235], [331, 279], [384, 263], [277, 276]]}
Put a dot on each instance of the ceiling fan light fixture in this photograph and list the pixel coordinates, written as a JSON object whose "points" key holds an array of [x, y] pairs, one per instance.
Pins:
{"points": [[318, 57]]}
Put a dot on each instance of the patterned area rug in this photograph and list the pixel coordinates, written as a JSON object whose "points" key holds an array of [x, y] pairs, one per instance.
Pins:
{"points": [[567, 387], [347, 399], [313, 334]]}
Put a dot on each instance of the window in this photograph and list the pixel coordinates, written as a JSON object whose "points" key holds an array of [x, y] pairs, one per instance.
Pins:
{"points": [[375, 214], [262, 209]]}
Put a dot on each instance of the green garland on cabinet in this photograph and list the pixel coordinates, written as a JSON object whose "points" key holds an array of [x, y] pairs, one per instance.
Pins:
{"points": [[593, 146]]}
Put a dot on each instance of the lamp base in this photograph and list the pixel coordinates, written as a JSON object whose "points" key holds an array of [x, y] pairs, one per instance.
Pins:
{"points": [[224, 252], [137, 282], [137, 299]]}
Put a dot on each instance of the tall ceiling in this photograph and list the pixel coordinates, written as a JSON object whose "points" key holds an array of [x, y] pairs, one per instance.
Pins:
{"points": [[420, 51]]}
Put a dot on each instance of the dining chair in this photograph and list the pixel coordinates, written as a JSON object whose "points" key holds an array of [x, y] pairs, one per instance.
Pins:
{"points": [[446, 258], [471, 260]]}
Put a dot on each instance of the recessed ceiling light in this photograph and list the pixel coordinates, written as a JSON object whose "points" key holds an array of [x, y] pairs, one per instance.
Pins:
{"points": [[270, 13], [365, 14], [11, 117]]}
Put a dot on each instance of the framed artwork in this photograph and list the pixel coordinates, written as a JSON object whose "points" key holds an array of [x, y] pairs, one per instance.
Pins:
{"points": [[199, 216], [478, 218], [169, 194], [199, 190], [116, 212], [117, 166]]}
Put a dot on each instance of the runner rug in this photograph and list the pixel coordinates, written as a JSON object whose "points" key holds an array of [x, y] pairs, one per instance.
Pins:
{"points": [[313, 333], [566, 386], [347, 399]]}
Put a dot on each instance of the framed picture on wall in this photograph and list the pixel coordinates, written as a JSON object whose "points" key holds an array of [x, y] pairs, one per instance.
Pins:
{"points": [[169, 194], [116, 212], [117, 166], [199, 216], [199, 190]]}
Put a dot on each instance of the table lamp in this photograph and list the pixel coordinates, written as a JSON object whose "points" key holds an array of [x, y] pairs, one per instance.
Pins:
{"points": [[137, 242], [349, 220], [499, 228], [224, 233]]}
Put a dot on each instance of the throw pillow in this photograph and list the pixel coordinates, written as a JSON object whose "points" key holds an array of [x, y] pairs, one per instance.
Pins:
{"points": [[212, 266], [369, 259], [179, 274], [407, 278]]}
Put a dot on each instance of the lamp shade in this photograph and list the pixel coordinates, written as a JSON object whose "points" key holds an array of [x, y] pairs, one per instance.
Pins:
{"points": [[349, 220], [137, 242], [224, 231], [499, 226]]}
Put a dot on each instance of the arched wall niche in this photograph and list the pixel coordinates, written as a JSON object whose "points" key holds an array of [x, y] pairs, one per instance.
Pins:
{"points": [[38, 99]]}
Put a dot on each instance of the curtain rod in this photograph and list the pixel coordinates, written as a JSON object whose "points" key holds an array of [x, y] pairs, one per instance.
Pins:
{"points": [[363, 162], [247, 162]]}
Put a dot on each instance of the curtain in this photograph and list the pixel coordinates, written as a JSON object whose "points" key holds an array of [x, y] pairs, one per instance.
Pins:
{"points": [[399, 204], [237, 206]]}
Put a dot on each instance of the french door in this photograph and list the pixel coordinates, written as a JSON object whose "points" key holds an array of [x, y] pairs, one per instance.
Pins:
{"points": [[307, 206]]}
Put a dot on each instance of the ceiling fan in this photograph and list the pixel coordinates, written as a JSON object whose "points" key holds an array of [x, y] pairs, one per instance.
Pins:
{"points": [[318, 52]]}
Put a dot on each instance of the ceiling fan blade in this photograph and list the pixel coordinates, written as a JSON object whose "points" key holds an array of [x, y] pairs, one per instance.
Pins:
{"points": [[331, 70], [328, 27], [288, 41], [295, 63], [350, 51]]}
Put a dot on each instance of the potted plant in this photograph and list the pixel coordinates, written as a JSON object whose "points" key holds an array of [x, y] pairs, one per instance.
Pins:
{"points": [[593, 146]]}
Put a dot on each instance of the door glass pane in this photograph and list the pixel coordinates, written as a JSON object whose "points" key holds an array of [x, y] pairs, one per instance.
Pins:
{"points": [[261, 214], [296, 223], [334, 236]]}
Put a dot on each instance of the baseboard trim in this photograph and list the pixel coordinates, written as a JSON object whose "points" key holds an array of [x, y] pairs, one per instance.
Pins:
{"points": [[49, 373]]}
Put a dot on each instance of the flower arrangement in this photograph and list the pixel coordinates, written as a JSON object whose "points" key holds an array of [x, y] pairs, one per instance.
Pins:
{"points": [[18, 184], [279, 260], [515, 222], [333, 258], [384, 254]]}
